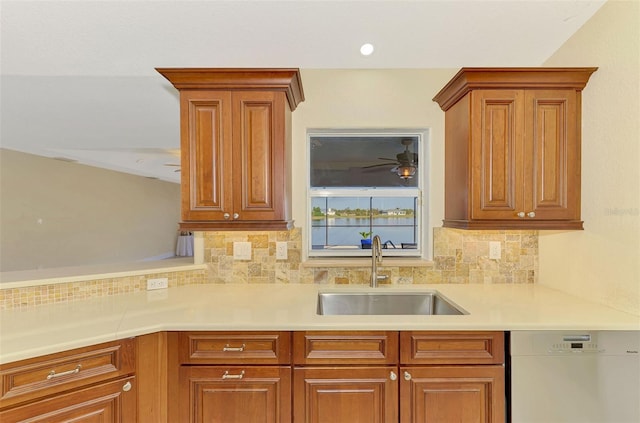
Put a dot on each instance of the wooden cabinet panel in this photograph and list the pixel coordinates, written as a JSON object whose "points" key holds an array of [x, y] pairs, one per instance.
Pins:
{"points": [[346, 395], [512, 147], [235, 347], [497, 193], [554, 170], [459, 347], [109, 402], [236, 146], [345, 347], [235, 394], [47, 375], [470, 394], [259, 167], [206, 159]]}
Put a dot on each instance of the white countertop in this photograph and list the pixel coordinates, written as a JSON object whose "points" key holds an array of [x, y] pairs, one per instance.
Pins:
{"points": [[58, 327]]}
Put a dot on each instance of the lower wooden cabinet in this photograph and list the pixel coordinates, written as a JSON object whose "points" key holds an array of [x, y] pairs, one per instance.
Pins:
{"points": [[265, 377], [473, 394], [426, 377], [345, 394], [109, 402], [228, 377], [89, 384], [256, 394]]}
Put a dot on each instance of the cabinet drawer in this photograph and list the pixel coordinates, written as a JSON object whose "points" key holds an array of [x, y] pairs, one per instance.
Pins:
{"points": [[418, 347], [108, 402], [340, 347], [235, 347], [33, 378]]}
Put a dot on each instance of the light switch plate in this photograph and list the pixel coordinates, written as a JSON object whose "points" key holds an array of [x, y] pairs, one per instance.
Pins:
{"points": [[495, 250], [242, 251], [281, 250]]}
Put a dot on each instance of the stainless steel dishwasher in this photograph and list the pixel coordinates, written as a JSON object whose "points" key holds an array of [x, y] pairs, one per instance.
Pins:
{"points": [[567, 377]]}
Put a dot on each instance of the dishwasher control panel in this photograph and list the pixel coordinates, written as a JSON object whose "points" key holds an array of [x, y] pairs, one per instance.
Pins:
{"points": [[575, 343], [569, 342]]}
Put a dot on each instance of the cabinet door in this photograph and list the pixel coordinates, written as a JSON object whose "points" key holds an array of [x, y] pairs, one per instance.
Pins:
{"points": [[259, 155], [109, 402], [345, 395], [470, 394], [206, 154], [235, 394], [496, 154], [552, 153]]}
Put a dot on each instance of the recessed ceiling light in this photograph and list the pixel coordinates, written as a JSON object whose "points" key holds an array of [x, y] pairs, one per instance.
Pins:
{"points": [[366, 49]]}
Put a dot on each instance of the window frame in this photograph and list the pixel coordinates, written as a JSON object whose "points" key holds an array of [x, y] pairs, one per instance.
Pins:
{"points": [[419, 192]]}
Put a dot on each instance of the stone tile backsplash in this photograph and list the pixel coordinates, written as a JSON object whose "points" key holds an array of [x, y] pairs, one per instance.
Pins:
{"points": [[459, 256]]}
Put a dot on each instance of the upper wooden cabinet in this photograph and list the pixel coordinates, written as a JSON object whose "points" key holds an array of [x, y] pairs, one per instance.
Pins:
{"points": [[235, 131], [512, 147]]}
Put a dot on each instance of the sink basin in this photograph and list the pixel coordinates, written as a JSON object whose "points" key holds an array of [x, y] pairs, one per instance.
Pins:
{"points": [[386, 303]]}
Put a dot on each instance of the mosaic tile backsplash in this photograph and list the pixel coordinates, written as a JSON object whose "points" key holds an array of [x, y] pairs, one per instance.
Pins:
{"points": [[459, 256], [30, 296]]}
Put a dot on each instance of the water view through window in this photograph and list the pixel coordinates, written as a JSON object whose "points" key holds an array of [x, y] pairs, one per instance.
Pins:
{"points": [[343, 222]]}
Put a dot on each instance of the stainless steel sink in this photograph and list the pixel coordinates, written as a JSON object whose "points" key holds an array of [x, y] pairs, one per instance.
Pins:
{"points": [[386, 303]]}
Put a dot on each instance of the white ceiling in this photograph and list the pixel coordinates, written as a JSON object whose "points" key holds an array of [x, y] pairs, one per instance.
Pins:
{"points": [[78, 78]]}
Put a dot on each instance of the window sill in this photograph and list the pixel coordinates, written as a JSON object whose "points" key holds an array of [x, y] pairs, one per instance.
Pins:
{"points": [[365, 262]]}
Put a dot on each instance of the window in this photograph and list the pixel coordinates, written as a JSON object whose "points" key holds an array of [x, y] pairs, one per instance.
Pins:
{"points": [[365, 183]]}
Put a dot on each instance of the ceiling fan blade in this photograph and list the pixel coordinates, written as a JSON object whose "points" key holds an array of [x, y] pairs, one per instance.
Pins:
{"points": [[378, 165]]}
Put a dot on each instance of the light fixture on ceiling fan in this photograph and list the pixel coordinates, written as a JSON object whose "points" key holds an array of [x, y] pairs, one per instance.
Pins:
{"points": [[404, 165]]}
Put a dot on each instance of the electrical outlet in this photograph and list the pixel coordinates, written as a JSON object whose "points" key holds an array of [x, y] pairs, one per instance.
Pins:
{"points": [[158, 283], [281, 250], [495, 250], [242, 251]]}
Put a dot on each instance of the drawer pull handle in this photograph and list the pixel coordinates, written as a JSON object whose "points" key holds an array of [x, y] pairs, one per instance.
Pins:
{"points": [[52, 374], [127, 387], [226, 375], [233, 349]]}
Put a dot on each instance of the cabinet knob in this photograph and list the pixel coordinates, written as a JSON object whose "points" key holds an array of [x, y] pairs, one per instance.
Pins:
{"points": [[236, 215], [126, 387], [531, 214], [521, 214], [226, 216], [407, 376], [393, 375]]}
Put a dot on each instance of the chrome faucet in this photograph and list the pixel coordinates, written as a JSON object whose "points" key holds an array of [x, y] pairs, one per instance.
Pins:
{"points": [[376, 258]]}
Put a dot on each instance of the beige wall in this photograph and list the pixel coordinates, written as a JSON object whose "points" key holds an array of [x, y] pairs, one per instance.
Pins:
{"points": [[602, 262], [371, 98], [57, 214]]}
